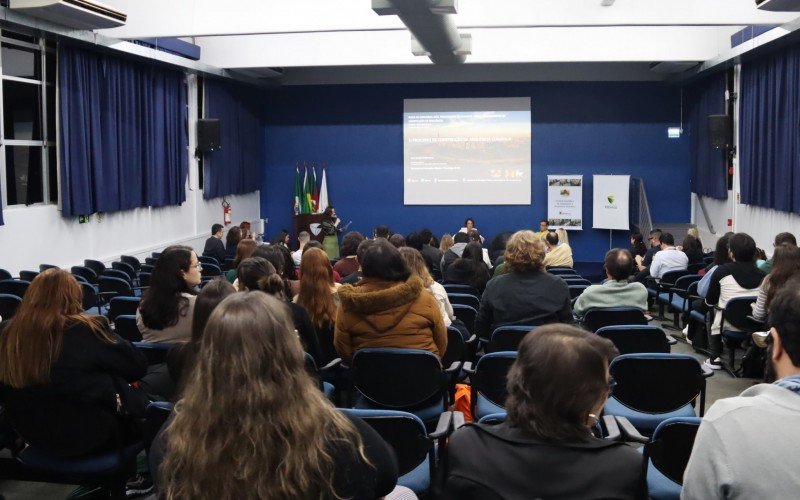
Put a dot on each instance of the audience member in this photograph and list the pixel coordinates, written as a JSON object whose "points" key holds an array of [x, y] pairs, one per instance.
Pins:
{"points": [[785, 265], [693, 249], [397, 240], [638, 248], [544, 228], [382, 232], [302, 240], [616, 292], [475, 236], [431, 253], [282, 238], [243, 250], [695, 233], [250, 368], [416, 265], [62, 370], [258, 274], [747, 446], [497, 247], [348, 264], [181, 358], [644, 263], [356, 276], [231, 242], [469, 269], [557, 254], [214, 246], [556, 391], [525, 294], [446, 243], [460, 241], [246, 233], [721, 256], [738, 278], [318, 294], [165, 313], [780, 238], [388, 308], [668, 259], [275, 256]]}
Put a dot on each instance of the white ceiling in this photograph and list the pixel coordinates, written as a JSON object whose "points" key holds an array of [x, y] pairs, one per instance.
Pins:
{"points": [[348, 34]]}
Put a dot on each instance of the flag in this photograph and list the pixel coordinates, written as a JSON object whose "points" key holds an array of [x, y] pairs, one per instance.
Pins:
{"points": [[323, 192], [315, 192], [308, 190], [298, 192], [305, 208]]}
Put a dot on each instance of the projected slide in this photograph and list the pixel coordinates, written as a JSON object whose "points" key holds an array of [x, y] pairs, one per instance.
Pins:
{"points": [[467, 151]]}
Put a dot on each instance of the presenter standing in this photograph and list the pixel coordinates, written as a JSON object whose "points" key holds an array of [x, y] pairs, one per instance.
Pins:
{"points": [[330, 230]]}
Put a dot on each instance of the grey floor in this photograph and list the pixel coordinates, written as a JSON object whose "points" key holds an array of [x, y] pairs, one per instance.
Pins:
{"points": [[720, 385]]}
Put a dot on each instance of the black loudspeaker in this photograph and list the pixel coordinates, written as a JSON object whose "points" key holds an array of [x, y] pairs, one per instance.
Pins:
{"points": [[208, 134], [720, 131]]}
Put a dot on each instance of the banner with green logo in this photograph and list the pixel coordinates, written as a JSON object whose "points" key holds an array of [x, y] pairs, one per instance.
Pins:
{"points": [[610, 205]]}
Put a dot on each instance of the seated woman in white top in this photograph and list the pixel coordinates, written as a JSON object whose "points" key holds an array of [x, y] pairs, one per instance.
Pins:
{"points": [[165, 314], [416, 264]]}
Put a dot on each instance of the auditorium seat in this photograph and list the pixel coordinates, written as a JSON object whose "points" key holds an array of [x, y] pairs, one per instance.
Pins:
{"points": [[488, 381], [598, 317], [155, 352], [466, 314], [122, 305], [326, 387], [131, 261], [8, 305], [631, 339], [5, 275], [85, 272], [28, 275], [95, 265], [125, 327], [651, 388], [15, 287], [507, 338], [456, 288], [667, 456], [465, 299], [677, 297], [736, 327]]}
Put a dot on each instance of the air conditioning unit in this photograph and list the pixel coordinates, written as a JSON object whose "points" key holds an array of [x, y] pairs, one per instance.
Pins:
{"points": [[78, 14], [779, 5]]}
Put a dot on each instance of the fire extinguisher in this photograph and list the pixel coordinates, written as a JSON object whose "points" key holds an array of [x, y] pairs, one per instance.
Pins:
{"points": [[226, 212]]}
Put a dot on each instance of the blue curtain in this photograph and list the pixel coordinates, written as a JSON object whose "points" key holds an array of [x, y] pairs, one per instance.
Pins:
{"points": [[123, 135], [709, 171], [236, 167], [769, 151]]}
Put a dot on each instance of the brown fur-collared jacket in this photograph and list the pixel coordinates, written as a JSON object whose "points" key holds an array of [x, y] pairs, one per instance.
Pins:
{"points": [[377, 313]]}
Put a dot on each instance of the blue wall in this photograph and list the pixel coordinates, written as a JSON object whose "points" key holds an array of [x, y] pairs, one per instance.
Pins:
{"points": [[578, 128]]}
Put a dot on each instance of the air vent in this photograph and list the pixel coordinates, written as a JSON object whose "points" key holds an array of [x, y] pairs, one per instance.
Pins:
{"points": [[78, 14]]}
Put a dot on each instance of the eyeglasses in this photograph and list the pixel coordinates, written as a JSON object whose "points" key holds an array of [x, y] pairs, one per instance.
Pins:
{"points": [[611, 383], [199, 266]]}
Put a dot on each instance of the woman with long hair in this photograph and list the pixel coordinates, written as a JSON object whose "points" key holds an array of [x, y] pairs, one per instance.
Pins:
{"points": [[545, 449], [416, 264], [165, 313], [253, 424], [258, 274], [331, 230], [469, 269], [785, 265], [693, 249], [232, 241], [446, 242], [637, 245], [246, 233], [243, 251], [318, 296], [275, 256], [180, 359], [62, 372]]}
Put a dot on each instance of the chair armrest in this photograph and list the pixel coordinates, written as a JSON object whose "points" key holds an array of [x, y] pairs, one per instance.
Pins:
{"points": [[707, 372], [468, 368], [455, 367], [756, 322], [333, 364], [458, 420], [671, 340], [444, 427], [612, 429], [110, 294], [471, 340], [629, 431]]}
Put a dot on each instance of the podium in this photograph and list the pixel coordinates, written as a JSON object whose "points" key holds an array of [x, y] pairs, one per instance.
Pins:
{"points": [[310, 223]]}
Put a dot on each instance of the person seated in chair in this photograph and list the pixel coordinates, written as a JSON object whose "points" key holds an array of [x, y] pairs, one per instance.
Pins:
{"points": [[746, 446], [780, 238], [616, 292], [545, 449], [387, 308], [668, 259], [558, 253], [214, 246], [738, 278]]}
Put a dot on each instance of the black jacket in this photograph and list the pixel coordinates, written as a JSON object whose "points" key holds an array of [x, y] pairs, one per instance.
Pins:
{"points": [[532, 298], [433, 259], [494, 462], [746, 275], [467, 272], [75, 413], [215, 248]]}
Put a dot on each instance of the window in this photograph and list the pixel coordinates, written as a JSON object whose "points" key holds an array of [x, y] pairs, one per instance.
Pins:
{"points": [[28, 159]]}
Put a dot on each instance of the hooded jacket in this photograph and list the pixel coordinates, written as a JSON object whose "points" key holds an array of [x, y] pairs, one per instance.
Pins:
{"points": [[376, 313]]}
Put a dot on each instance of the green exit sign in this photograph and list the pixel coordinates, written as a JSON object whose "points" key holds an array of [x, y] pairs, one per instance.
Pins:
{"points": [[83, 219]]}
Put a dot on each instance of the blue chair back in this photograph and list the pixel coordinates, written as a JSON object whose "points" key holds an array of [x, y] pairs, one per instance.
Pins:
{"points": [[125, 327], [95, 265], [456, 288], [465, 299], [576, 290], [671, 446], [507, 338], [155, 255], [211, 271], [8, 305], [398, 378], [151, 261], [85, 272], [28, 275], [116, 273], [207, 259], [493, 419], [155, 352], [596, 318], [658, 383], [115, 286], [122, 305], [155, 416], [695, 268], [735, 314], [456, 347], [577, 281], [489, 379], [5, 275], [125, 268], [45, 267], [144, 279], [630, 339], [562, 271], [14, 287], [466, 314], [131, 261], [90, 298]]}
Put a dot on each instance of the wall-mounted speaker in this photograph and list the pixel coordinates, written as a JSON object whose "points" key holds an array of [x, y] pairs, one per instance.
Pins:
{"points": [[208, 134], [720, 131]]}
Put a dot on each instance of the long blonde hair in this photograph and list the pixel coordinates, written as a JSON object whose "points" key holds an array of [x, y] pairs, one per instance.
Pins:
{"points": [[252, 423], [31, 342], [416, 264]]}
